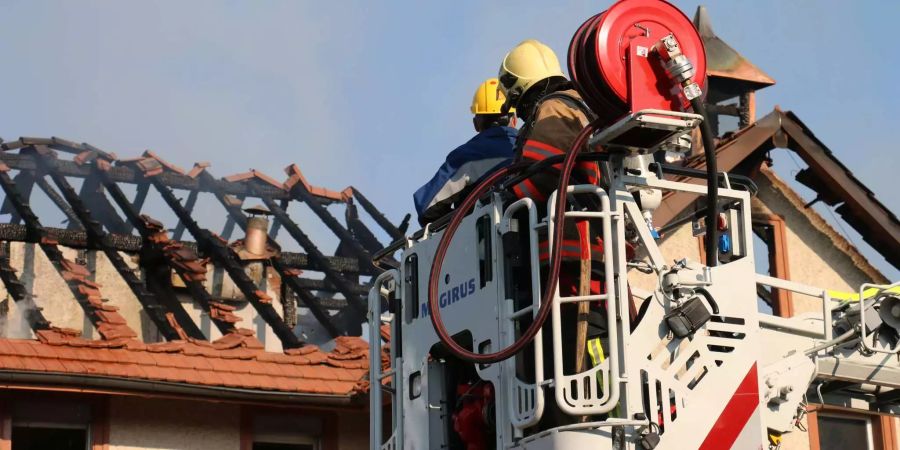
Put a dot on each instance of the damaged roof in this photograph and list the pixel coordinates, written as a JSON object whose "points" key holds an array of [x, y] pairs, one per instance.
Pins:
{"points": [[95, 211], [833, 182], [103, 218]]}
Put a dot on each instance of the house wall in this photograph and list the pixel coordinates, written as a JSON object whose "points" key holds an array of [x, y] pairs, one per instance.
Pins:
{"points": [[813, 256], [144, 423], [119, 422], [147, 423], [353, 431]]}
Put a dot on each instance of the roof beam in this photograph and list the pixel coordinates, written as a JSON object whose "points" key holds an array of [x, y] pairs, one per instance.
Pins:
{"points": [[875, 223], [24, 182], [161, 249], [20, 294], [333, 276], [130, 243], [394, 232], [236, 216], [225, 257], [105, 319], [155, 306]]}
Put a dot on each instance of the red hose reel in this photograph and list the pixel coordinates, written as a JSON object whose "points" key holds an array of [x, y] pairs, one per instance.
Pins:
{"points": [[609, 58]]}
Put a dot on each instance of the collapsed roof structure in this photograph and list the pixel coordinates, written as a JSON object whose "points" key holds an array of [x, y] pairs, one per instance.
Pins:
{"points": [[170, 265]]}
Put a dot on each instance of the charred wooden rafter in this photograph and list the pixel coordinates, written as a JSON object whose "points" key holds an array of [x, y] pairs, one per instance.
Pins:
{"points": [[288, 275], [154, 245], [156, 306], [129, 243], [24, 182], [224, 256], [299, 192], [95, 201], [173, 254], [60, 203], [124, 174], [332, 276], [20, 294], [394, 232], [139, 198], [188, 205], [105, 318]]}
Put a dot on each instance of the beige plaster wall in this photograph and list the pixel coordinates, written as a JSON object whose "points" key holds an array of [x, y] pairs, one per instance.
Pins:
{"points": [[141, 423], [117, 293], [813, 258], [796, 440]]}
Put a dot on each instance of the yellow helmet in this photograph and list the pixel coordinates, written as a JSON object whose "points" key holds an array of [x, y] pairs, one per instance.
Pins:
{"points": [[526, 64], [488, 99]]}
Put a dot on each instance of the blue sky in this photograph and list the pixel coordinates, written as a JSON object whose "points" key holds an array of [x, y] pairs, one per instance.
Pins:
{"points": [[375, 94]]}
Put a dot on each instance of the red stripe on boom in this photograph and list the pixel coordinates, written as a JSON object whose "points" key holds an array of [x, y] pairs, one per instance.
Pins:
{"points": [[735, 416]]}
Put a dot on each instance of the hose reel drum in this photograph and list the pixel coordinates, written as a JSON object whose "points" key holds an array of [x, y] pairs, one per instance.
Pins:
{"points": [[620, 63]]}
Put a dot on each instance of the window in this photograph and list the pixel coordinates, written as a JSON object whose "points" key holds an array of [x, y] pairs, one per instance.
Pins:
{"points": [[284, 432], [761, 262], [411, 286], [770, 257], [485, 261], [838, 428], [844, 432], [48, 436], [40, 424]]}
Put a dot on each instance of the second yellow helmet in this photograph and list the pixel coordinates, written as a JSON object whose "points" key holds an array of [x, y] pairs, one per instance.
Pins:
{"points": [[488, 98]]}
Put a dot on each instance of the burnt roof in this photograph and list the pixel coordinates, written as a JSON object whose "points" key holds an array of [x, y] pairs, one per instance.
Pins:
{"points": [[102, 217], [826, 175]]}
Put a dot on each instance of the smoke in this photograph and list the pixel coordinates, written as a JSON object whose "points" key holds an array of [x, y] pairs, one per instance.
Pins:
{"points": [[14, 318]]}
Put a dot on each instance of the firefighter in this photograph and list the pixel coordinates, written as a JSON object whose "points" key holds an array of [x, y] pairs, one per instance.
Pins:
{"points": [[489, 150], [553, 114]]}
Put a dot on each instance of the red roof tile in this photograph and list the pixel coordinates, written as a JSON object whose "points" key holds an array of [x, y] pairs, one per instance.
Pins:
{"points": [[233, 361]]}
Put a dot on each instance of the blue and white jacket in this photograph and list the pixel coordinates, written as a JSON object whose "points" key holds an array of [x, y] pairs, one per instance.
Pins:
{"points": [[465, 166]]}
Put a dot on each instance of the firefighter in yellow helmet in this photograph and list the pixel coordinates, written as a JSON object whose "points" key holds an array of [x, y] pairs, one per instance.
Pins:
{"points": [[489, 150], [553, 114]]}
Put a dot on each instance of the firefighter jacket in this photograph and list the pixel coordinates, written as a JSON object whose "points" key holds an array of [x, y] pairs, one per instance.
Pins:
{"points": [[465, 166], [554, 125]]}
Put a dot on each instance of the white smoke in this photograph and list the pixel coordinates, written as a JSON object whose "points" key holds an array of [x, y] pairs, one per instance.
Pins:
{"points": [[14, 318]]}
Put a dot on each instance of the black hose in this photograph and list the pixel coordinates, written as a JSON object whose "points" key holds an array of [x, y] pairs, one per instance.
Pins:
{"points": [[709, 299], [712, 185]]}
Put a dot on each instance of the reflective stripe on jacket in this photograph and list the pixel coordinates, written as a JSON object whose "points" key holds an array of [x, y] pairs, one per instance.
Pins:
{"points": [[557, 121]]}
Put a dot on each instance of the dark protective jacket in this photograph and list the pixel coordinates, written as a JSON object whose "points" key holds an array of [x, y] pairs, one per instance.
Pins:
{"points": [[465, 166], [551, 130]]}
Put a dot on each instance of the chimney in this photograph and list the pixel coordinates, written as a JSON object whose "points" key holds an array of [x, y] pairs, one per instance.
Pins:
{"points": [[257, 230]]}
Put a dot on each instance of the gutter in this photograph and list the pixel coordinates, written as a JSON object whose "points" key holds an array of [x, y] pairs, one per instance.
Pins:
{"points": [[104, 384]]}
